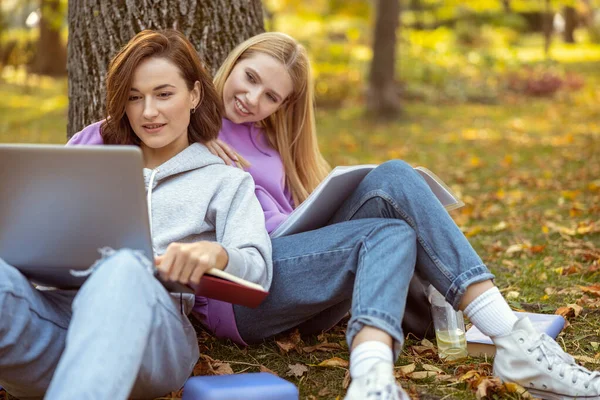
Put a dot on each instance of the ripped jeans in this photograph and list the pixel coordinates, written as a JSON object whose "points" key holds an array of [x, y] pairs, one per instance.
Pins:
{"points": [[120, 335]]}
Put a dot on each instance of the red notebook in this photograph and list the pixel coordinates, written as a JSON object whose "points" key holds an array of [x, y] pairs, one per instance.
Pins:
{"points": [[232, 292], [220, 285]]}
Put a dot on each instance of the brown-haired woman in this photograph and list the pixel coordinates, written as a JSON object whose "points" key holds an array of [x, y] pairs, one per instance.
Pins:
{"points": [[122, 334]]}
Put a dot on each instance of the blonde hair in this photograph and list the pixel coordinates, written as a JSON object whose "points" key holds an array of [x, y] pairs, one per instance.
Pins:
{"points": [[291, 129]]}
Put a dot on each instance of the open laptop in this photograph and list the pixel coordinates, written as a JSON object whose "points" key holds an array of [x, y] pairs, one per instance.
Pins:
{"points": [[59, 205]]}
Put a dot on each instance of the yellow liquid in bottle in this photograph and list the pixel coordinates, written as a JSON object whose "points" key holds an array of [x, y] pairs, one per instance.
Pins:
{"points": [[452, 345]]}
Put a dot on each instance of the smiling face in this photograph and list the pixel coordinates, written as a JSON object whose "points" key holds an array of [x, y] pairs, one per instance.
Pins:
{"points": [[255, 88], [159, 108]]}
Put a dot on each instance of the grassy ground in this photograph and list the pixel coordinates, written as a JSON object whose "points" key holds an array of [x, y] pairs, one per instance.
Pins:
{"points": [[529, 172]]}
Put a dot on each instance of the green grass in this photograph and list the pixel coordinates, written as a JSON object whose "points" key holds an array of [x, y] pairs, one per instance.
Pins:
{"points": [[524, 167]]}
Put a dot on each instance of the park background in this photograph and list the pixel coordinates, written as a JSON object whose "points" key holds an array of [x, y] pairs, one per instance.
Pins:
{"points": [[500, 98]]}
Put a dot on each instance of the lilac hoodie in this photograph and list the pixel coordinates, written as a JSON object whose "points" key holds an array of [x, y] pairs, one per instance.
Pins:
{"points": [[274, 197]]}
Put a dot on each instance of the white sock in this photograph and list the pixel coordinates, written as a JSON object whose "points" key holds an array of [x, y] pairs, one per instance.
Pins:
{"points": [[491, 314], [367, 354]]}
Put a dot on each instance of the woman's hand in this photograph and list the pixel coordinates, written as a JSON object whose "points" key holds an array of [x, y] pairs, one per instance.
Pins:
{"points": [[187, 262], [231, 157]]}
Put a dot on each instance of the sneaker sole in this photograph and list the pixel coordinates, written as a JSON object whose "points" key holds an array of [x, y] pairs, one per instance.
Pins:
{"points": [[553, 396]]}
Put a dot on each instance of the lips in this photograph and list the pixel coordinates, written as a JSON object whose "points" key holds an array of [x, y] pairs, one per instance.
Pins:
{"points": [[153, 128], [241, 107]]}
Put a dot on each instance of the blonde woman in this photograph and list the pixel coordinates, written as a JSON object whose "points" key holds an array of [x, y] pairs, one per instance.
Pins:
{"points": [[363, 260]]}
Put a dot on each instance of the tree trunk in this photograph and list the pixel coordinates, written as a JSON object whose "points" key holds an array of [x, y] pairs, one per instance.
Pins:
{"points": [[383, 100], [506, 6], [50, 56], [570, 24], [98, 29], [548, 19]]}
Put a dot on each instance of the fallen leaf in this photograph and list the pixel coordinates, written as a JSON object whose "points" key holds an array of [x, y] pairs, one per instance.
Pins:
{"points": [[297, 370], [593, 289], [404, 370], [290, 342], [346, 381], [421, 374], [325, 392], [222, 368], [489, 386], [433, 368], [322, 347], [587, 359], [334, 362], [262, 368]]}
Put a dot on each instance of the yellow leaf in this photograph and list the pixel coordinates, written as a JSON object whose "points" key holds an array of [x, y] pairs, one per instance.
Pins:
{"points": [[334, 362], [406, 369]]}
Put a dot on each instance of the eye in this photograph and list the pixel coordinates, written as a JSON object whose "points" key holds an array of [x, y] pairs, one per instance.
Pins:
{"points": [[133, 98], [165, 95], [272, 98], [250, 77]]}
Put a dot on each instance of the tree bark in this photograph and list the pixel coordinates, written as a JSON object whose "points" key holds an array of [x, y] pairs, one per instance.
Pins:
{"points": [[548, 19], [570, 24], [51, 55], [383, 100], [99, 28]]}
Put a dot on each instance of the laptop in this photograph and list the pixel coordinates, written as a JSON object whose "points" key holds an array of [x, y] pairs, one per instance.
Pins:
{"points": [[59, 205]]}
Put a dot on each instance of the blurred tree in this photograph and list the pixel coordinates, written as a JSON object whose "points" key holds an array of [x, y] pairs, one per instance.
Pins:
{"points": [[98, 29], [50, 55], [383, 100], [570, 24]]}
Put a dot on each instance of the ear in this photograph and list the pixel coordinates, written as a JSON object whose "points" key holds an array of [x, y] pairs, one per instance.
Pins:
{"points": [[196, 95]]}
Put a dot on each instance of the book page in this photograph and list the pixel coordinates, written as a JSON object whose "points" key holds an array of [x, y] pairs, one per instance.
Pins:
{"points": [[227, 276]]}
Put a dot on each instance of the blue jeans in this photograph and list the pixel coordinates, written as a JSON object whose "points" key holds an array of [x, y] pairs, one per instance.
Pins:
{"points": [[120, 335], [363, 261]]}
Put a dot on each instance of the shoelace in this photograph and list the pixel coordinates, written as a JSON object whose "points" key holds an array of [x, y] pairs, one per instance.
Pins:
{"points": [[555, 355], [388, 392]]}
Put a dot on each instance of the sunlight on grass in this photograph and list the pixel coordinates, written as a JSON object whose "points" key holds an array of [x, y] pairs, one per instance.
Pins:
{"points": [[33, 108]]}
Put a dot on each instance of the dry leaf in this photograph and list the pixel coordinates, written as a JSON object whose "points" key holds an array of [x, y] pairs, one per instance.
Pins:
{"points": [[404, 370], [322, 347], [222, 368], [421, 374], [297, 370], [346, 381], [290, 342], [593, 289], [325, 392], [587, 359], [334, 362], [265, 369], [489, 386], [433, 368], [427, 343]]}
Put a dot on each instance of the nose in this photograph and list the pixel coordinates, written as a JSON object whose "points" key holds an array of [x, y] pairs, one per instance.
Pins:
{"points": [[252, 96], [150, 110]]}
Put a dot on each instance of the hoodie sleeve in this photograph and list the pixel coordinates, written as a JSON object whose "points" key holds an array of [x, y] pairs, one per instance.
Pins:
{"points": [[274, 215], [240, 229], [89, 135]]}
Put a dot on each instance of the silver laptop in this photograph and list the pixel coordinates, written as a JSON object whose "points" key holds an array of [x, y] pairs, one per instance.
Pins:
{"points": [[59, 205]]}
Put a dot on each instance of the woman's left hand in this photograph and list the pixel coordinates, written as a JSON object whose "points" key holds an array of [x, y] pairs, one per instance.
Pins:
{"points": [[187, 262]]}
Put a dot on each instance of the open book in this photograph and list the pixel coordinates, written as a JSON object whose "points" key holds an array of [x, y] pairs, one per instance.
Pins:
{"points": [[479, 344], [322, 203]]}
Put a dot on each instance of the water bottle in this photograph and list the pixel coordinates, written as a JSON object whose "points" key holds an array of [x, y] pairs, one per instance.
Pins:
{"points": [[449, 327]]}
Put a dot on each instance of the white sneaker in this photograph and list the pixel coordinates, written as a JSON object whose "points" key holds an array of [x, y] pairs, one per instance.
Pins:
{"points": [[377, 384], [536, 362]]}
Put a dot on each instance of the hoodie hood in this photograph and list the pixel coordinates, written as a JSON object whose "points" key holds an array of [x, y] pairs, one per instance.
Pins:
{"points": [[195, 156]]}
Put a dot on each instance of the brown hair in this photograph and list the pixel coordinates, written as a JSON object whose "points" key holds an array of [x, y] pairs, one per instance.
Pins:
{"points": [[176, 48]]}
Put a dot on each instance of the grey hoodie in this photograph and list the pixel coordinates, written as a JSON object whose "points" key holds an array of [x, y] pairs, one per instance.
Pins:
{"points": [[194, 196]]}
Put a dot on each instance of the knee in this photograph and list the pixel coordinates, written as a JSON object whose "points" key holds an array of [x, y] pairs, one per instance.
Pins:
{"points": [[126, 266]]}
